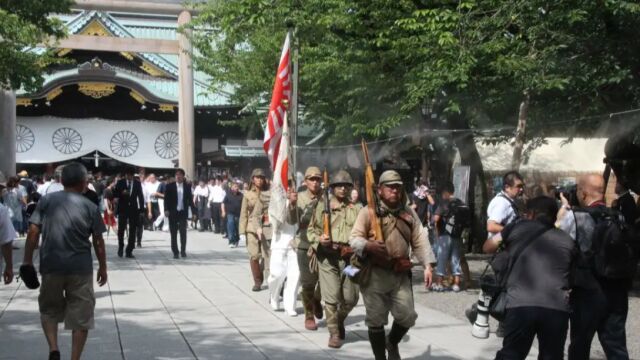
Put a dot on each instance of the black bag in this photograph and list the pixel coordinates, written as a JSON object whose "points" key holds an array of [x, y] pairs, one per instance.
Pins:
{"points": [[29, 276], [614, 245], [457, 219], [514, 207], [496, 286]]}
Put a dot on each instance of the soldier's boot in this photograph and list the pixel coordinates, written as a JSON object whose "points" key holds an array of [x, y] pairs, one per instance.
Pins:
{"points": [[377, 341], [256, 271], [307, 303], [332, 324], [393, 339], [317, 305]]}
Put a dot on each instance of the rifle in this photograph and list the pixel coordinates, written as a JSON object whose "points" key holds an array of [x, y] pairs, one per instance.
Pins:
{"points": [[369, 187], [326, 213]]}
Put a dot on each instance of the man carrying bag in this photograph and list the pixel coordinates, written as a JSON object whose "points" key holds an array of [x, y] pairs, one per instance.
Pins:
{"points": [[535, 270]]}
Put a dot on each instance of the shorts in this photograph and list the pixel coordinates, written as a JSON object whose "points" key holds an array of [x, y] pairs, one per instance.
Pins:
{"points": [[67, 298]]}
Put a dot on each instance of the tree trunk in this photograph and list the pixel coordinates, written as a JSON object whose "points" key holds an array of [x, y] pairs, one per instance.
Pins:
{"points": [[516, 160], [478, 196]]}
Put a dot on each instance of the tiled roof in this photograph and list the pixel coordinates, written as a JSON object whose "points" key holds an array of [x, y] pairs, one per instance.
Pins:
{"points": [[152, 28], [165, 89]]}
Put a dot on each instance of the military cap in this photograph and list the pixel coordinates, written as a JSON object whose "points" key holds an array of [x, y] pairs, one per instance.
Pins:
{"points": [[257, 172], [312, 171], [341, 177], [390, 177]]}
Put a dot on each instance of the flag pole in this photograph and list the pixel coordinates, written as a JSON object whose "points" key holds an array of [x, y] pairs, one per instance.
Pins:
{"points": [[294, 103]]}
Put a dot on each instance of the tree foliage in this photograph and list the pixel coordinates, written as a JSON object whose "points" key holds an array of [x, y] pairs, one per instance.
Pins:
{"points": [[368, 66], [23, 25]]}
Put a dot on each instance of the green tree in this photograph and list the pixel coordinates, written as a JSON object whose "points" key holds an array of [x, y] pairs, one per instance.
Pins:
{"points": [[367, 67], [23, 25]]}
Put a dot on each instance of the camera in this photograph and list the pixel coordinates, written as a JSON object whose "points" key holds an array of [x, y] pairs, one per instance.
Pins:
{"points": [[570, 192]]}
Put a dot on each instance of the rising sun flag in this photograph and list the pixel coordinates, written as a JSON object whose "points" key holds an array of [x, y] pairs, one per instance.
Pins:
{"points": [[276, 137]]}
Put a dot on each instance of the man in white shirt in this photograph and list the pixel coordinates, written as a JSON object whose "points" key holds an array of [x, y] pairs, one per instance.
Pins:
{"points": [[502, 211], [7, 236], [201, 202], [54, 185], [216, 198], [153, 210]]}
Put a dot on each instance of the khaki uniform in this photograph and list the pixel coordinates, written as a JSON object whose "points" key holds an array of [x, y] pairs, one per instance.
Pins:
{"points": [[388, 290], [259, 219], [254, 206], [301, 214], [249, 201], [339, 293]]}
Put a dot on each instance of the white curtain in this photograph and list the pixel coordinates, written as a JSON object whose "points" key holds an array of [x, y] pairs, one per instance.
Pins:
{"points": [[138, 142]]}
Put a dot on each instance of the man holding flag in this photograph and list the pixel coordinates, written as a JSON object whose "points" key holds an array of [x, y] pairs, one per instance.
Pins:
{"points": [[283, 263]]}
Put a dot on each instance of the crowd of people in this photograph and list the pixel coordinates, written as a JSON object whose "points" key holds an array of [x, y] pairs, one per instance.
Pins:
{"points": [[336, 249]]}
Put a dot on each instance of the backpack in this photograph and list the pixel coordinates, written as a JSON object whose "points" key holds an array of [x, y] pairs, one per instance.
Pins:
{"points": [[457, 219], [614, 245]]}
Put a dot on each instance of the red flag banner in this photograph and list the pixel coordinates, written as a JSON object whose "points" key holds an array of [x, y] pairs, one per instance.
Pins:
{"points": [[277, 109]]}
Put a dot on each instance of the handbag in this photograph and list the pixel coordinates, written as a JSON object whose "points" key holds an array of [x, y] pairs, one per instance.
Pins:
{"points": [[496, 286]]}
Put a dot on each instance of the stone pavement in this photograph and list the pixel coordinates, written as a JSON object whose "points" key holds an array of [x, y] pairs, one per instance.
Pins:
{"points": [[202, 307]]}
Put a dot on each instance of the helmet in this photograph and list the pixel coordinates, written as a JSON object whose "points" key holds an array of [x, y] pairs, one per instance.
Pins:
{"points": [[390, 177], [341, 177]]}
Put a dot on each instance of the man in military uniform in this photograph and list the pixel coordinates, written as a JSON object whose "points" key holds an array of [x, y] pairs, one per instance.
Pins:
{"points": [[339, 293], [301, 208], [388, 288], [253, 225]]}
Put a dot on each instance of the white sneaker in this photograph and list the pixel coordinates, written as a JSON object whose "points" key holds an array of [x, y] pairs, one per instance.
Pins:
{"points": [[230, 246], [275, 305], [455, 288], [292, 313]]}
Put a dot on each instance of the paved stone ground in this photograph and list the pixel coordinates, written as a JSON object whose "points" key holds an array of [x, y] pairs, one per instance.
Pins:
{"points": [[201, 307]]}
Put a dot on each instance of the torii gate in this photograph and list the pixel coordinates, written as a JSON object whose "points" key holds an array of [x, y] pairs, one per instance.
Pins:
{"points": [[180, 47]]}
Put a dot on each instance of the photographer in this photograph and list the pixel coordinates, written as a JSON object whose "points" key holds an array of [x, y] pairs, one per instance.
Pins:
{"points": [[599, 302], [540, 258], [502, 211], [421, 199]]}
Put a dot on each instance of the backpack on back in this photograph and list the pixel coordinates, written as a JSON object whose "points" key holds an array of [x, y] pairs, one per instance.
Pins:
{"points": [[458, 218], [614, 245]]}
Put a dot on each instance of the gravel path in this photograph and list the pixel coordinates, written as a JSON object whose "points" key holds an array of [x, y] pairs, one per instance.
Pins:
{"points": [[454, 304]]}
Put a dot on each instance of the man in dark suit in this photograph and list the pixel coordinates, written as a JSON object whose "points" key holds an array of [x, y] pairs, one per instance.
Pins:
{"points": [[177, 200], [128, 193]]}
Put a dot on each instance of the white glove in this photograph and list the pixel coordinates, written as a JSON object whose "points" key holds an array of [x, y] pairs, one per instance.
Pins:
{"points": [[243, 237]]}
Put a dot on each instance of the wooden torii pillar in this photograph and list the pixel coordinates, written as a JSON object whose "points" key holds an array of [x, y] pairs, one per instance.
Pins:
{"points": [[180, 47]]}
